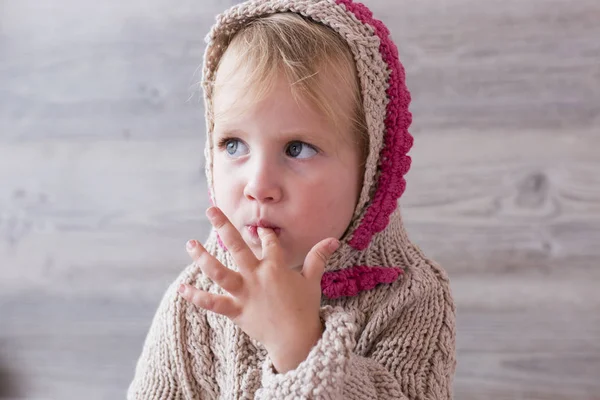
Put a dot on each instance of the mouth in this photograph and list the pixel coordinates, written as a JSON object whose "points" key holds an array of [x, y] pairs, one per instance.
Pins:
{"points": [[252, 228]]}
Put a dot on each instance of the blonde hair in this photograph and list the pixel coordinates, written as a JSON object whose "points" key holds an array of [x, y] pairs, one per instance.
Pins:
{"points": [[307, 53]]}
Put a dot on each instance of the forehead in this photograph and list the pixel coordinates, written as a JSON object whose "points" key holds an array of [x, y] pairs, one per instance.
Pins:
{"points": [[278, 115], [241, 93]]}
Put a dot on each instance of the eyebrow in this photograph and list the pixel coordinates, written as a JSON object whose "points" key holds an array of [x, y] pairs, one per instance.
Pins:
{"points": [[319, 138], [228, 132]]}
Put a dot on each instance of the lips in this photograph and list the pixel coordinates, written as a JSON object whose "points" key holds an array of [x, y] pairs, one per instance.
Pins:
{"points": [[253, 227]]}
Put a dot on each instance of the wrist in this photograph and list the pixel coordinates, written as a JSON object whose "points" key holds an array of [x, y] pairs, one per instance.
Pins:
{"points": [[288, 356]]}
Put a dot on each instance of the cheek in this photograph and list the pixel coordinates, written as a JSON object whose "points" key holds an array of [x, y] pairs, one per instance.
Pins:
{"points": [[224, 182], [327, 206], [218, 175]]}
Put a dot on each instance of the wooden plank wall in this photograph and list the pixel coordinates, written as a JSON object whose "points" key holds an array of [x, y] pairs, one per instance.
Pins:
{"points": [[101, 135]]}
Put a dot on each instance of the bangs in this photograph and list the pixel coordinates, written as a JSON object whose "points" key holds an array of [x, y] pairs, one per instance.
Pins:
{"points": [[307, 54]]}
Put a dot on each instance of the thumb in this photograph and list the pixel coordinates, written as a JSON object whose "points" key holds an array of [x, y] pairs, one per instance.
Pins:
{"points": [[317, 257]]}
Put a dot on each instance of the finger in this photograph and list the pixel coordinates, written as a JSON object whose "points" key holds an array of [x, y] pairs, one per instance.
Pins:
{"points": [[232, 239], [194, 249], [317, 258], [220, 304], [271, 248], [231, 281]]}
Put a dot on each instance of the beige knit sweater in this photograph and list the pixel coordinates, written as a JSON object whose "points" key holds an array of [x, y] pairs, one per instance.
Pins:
{"points": [[388, 312]]}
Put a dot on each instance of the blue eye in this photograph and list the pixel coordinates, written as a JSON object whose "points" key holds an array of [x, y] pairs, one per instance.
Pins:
{"points": [[300, 150], [234, 147]]}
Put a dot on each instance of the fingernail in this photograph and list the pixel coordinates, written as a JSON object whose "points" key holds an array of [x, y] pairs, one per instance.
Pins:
{"points": [[191, 244], [334, 245], [181, 288], [260, 230]]}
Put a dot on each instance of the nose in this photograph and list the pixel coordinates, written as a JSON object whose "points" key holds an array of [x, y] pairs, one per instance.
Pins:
{"points": [[263, 183]]}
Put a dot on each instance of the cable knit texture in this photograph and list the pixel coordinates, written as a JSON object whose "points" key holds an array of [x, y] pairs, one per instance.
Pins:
{"points": [[387, 309]]}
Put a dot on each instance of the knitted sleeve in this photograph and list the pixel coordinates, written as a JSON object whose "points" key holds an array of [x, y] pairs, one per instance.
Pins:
{"points": [[413, 358], [176, 343]]}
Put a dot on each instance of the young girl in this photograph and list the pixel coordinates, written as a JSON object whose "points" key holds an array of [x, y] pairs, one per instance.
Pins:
{"points": [[308, 286]]}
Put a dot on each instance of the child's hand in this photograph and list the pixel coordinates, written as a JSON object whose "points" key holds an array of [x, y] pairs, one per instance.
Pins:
{"points": [[273, 304]]}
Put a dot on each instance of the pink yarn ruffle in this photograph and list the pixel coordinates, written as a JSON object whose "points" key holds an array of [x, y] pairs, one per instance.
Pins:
{"points": [[351, 281], [394, 160]]}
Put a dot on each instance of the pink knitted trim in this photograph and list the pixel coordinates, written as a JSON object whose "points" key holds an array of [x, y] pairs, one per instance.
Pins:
{"points": [[220, 242], [394, 160], [351, 281]]}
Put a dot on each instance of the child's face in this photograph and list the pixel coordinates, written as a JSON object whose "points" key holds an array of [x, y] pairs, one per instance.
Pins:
{"points": [[283, 166]]}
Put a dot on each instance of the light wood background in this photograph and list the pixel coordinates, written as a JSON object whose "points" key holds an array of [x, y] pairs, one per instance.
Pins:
{"points": [[101, 184]]}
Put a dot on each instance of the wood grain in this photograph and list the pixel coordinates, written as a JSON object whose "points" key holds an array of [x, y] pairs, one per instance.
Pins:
{"points": [[101, 135]]}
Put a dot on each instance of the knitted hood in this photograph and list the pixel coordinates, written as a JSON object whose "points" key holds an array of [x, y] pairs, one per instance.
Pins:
{"points": [[375, 248]]}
